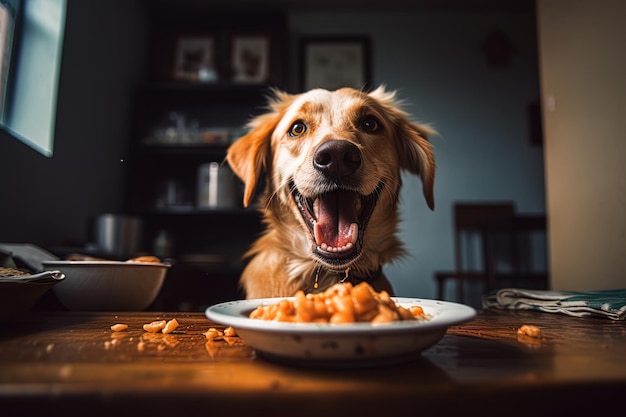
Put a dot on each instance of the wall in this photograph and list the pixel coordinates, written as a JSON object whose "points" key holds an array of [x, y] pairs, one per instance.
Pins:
{"points": [[583, 63], [432, 57]]}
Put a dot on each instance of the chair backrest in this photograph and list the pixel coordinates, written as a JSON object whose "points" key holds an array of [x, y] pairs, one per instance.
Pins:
{"points": [[469, 219], [473, 216]]}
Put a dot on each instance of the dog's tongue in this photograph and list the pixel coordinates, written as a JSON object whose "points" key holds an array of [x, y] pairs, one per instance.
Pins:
{"points": [[336, 219]]}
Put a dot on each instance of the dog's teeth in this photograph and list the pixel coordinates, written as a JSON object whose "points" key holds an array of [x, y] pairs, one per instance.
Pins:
{"points": [[353, 236], [354, 232]]}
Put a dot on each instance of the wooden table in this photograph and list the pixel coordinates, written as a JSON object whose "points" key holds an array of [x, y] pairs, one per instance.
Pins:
{"points": [[62, 363]]}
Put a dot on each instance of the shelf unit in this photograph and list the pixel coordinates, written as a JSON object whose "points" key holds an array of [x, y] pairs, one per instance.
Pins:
{"points": [[205, 244]]}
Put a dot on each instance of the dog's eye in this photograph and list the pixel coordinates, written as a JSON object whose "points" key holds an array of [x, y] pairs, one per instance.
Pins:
{"points": [[370, 124], [297, 129]]}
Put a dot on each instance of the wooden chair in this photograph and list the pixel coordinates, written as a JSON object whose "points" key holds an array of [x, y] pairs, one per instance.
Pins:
{"points": [[484, 235]]}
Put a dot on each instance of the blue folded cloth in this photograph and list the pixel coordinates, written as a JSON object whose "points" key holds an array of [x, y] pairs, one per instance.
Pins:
{"points": [[603, 303]]}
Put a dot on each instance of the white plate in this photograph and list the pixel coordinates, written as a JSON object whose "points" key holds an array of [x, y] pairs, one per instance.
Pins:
{"points": [[341, 345]]}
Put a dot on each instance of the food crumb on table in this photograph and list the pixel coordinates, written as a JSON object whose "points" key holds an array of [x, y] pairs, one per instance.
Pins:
{"points": [[155, 326], [529, 330], [119, 327]]}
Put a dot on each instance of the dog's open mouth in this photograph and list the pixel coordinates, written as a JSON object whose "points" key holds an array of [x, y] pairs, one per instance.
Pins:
{"points": [[337, 221]]}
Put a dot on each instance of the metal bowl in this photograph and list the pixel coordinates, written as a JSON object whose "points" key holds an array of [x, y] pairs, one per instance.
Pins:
{"points": [[108, 285]]}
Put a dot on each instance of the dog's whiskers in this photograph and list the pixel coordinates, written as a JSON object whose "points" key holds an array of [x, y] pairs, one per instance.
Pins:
{"points": [[392, 185], [268, 202], [274, 194]]}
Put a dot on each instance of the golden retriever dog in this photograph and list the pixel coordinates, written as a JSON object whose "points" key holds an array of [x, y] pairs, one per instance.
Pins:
{"points": [[330, 163]]}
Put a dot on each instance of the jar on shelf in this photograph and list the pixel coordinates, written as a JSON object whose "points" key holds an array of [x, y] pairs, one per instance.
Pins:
{"points": [[216, 186]]}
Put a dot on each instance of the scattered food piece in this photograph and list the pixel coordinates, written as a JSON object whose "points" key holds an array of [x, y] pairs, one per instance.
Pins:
{"points": [[529, 330], [170, 326], [213, 334], [155, 326], [228, 335], [119, 327]]}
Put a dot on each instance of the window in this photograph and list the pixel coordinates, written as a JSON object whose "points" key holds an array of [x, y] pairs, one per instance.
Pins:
{"points": [[7, 23], [31, 64]]}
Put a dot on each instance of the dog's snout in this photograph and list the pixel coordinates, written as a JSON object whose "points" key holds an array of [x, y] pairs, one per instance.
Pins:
{"points": [[337, 158]]}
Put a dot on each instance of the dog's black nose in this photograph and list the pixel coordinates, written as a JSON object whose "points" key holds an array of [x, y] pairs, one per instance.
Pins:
{"points": [[337, 158]]}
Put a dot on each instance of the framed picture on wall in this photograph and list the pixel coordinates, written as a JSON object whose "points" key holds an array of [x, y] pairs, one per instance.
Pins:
{"points": [[251, 59], [335, 62], [194, 59]]}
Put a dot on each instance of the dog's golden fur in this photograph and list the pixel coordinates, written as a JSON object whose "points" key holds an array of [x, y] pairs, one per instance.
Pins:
{"points": [[345, 144]]}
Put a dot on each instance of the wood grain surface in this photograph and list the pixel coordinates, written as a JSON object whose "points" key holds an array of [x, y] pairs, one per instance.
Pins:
{"points": [[60, 362]]}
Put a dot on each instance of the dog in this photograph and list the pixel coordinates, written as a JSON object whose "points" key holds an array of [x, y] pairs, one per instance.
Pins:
{"points": [[330, 164]]}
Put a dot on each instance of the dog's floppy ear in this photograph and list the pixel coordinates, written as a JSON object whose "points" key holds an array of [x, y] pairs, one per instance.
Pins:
{"points": [[414, 150], [249, 156], [416, 156]]}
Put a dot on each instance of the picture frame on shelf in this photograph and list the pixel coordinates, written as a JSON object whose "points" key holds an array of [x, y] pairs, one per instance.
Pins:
{"points": [[194, 59], [250, 59], [335, 62]]}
